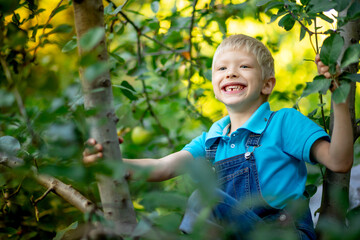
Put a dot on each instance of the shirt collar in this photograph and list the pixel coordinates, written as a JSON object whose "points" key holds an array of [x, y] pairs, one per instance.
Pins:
{"points": [[256, 124]]}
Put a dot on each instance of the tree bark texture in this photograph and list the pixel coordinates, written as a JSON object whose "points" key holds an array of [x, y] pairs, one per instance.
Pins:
{"points": [[115, 197], [335, 199]]}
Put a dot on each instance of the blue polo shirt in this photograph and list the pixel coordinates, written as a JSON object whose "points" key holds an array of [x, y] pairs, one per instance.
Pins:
{"points": [[285, 147]]}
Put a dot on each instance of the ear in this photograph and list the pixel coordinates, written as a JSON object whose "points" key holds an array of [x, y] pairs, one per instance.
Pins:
{"points": [[268, 86]]}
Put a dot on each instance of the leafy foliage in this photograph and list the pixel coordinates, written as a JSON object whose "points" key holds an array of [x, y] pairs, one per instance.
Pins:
{"points": [[160, 68]]}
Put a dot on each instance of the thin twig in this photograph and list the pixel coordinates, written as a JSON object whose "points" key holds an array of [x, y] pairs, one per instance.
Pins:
{"points": [[190, 48], [147, 97], [320, 95], [52, 14], [34, 203], [19, 100], [322, 112], [15, 192]]}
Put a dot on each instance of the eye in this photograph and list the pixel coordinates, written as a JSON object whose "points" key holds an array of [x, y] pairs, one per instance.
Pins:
{"points": [[244, 66], [222, 68]]}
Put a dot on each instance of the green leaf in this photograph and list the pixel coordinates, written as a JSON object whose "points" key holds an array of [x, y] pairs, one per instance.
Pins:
{"points": [[351, 55], [91, 38], [60, 234], [310, 190], [331, 49], [127, 90], [350, 76], [318, 6], [95, 70], [273, 5], [59, 9], [319, 84], [70, 45], [354, 10], [302, 33], [304, 2], [117, 10], [9, 145], [341, 93], [8, 7], [63, 28], [155, 6], [326, 18], [287, 22], [118, 58], [6, 98], [262, 2], [341, 4]]}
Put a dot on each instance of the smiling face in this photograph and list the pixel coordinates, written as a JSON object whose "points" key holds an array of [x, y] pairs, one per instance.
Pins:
{"points": [[238, 82]]}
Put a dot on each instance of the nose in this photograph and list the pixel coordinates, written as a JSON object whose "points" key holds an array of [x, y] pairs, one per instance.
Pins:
{"points": [[231, 74]]}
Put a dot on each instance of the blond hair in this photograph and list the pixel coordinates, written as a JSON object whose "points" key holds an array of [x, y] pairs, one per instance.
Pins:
{"points": [[252, 45]]}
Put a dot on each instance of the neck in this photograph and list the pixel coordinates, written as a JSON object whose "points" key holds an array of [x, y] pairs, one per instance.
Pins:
{"points": [[238, 118]]}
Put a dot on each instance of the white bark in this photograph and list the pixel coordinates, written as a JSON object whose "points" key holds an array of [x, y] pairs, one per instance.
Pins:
{"points": [[115, 197]]}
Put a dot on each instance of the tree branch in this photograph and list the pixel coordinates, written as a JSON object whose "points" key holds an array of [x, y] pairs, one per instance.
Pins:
{"points": [[67, 192]]}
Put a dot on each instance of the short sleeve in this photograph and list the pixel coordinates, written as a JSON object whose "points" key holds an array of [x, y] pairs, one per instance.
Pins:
{"points": [[299, 133], [197, 146]]}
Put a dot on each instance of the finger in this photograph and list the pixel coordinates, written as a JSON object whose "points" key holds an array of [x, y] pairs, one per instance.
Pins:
{"points": [[317, 58], [92, 158], [98, 147], [324, 69], [92, 149], [327, 75]]}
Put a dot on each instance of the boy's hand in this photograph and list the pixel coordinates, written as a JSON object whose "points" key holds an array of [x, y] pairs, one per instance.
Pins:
{"points": [[324, 70], [92, 152]]}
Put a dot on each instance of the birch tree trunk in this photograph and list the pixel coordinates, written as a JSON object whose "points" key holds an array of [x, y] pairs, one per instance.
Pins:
{"points": [[115, 197], [335, 199]]}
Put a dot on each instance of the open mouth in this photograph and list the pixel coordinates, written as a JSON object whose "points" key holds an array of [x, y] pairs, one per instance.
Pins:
{"points": [[233, 88]]}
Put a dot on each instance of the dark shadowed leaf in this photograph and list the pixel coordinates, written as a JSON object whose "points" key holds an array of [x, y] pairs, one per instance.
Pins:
{"points": [[287, 22], [341, 4], [354, 10], [350, 76], [127, 90]]}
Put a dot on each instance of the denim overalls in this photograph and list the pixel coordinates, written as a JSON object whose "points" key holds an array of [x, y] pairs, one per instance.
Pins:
{"points": [[241, 205]]}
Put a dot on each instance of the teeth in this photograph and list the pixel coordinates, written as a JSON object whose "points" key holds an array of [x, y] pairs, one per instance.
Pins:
{"points": [[234, 88]]}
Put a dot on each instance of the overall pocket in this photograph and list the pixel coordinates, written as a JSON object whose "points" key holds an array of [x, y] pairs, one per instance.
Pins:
{"points": [[236, 184]]}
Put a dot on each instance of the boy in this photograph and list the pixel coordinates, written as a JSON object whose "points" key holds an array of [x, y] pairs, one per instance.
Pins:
{"points": [[257, 154]]}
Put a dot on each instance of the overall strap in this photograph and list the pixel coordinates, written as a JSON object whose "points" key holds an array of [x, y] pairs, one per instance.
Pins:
{"points": [[211, 152], [254, 139]]}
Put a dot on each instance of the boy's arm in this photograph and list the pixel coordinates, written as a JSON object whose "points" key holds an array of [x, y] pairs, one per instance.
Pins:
{"points": [[164, 168], [337, 155], [161, 169]]}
